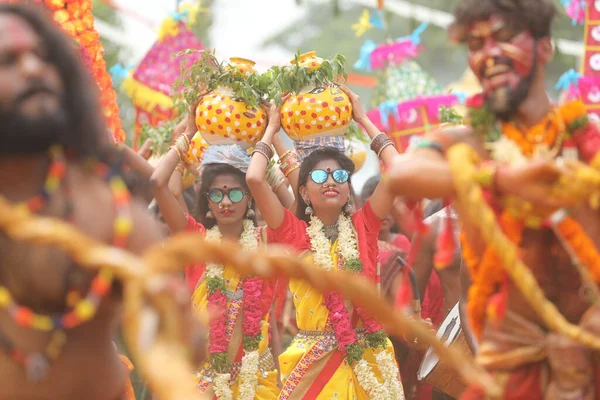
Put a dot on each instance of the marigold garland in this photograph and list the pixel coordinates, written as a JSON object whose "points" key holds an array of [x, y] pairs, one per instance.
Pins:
{"points": [[486, 270], [573, 234], [76, 19]]}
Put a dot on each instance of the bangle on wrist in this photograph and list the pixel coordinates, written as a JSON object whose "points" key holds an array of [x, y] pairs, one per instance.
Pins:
{"points": [[429, 144], [174, 147], [264, 149], [380, 142], [288, 171], [181, 167]]}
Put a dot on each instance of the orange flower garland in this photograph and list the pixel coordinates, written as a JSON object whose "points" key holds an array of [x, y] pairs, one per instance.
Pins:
{"points": [[486, 271], [548, 131], [582, 246], [76, 19]]}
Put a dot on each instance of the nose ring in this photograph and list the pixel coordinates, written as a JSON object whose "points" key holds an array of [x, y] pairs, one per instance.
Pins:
{"points": [[221, 206]]}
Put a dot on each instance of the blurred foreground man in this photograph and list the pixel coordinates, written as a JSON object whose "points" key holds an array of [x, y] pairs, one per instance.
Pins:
{"points": [[525, 142], [57, 321]]}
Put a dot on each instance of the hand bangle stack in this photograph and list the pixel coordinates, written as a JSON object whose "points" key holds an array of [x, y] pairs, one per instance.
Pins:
{"points": [[181, 146], [275, 178], [380, 142], [181, 167], [288, 163], [264, 149]]}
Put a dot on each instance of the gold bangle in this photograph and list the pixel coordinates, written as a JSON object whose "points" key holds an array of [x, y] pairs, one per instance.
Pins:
{"points": [[174, 147], [289, 171], [181, 167], [284, 156]]}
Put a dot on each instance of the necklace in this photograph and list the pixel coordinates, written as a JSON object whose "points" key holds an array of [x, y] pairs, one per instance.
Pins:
{"points": [[37, 363], [54, 177]]}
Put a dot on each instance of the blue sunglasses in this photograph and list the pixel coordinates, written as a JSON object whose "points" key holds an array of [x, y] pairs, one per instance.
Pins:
{"points": [[320, 176]]}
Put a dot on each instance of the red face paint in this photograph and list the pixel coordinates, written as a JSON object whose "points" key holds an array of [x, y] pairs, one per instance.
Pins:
{"points": [[498, 55]]}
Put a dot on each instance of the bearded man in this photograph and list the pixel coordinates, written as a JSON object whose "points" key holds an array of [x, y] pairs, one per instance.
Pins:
{"points": [[514, 126], [57, 321]]}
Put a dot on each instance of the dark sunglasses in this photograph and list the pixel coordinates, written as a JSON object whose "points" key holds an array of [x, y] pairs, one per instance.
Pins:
{"points": [[235, 195], [320, 176]]}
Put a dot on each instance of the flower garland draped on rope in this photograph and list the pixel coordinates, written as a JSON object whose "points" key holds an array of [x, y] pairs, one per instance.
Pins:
{"points": [[251, 322], [348, 259], [567, 129]]}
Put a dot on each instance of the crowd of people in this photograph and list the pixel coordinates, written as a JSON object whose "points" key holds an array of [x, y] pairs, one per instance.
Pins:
{"points": [[278, 339]]}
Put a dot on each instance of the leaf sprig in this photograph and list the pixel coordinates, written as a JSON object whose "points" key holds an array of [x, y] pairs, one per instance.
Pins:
{"points": [[292, 78], [207, 73], [161, 136]]}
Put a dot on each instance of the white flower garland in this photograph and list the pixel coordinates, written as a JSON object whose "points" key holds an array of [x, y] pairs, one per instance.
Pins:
{"points": [[221, 387], [348, 248], [391, 376], [368, 381], [247, 377], [321, 247]]}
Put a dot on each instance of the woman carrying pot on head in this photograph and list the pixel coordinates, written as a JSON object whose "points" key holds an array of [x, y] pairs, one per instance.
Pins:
{"points": [[241, 365], [340, 352]]}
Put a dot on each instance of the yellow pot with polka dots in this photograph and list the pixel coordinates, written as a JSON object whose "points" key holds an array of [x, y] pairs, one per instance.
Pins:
{"points": [[316, 111], [224, 119], [357, 152], [196, 150]]}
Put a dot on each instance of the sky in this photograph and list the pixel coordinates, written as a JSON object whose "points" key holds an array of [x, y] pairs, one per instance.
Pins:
{"points": [[239, 29]]}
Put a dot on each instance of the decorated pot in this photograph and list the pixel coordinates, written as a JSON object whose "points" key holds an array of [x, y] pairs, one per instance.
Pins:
{"points": [[357, 152], [316, 111], [196, 150], [223, 119]]}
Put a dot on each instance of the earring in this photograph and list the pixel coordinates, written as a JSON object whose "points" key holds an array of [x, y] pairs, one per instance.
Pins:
{"points": [[210, 215], [309, 210], [250, 213], [348, 209]]}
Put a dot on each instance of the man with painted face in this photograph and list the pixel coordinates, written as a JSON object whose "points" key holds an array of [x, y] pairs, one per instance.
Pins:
{"points": [[524, 139], [57, 320]]}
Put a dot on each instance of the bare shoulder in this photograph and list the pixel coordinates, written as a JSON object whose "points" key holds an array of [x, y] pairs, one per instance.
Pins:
{"points": [[146, 230], [95, 212]]}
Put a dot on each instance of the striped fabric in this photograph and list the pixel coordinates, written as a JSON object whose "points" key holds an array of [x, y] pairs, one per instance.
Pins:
{"points": [[306, 147]]}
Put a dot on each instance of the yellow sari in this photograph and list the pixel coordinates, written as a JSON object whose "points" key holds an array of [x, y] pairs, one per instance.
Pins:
{"points": [[304, 361], [267, 375]]}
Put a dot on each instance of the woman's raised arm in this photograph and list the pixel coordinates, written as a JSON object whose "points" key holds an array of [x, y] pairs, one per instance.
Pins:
{"points": [[267, 202]]}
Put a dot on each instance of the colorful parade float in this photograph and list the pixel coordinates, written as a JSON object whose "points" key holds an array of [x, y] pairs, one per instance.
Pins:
{"points": [[406, 101], [150, 83]]}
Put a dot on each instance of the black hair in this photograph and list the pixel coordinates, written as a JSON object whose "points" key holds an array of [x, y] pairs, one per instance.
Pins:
{"points": [[87, 135], [533, 15], [309, 163], [209, 173]]}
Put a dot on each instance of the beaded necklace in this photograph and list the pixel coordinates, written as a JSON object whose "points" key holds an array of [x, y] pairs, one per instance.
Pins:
{"points": [[81, 310], [56, 174]]}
